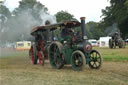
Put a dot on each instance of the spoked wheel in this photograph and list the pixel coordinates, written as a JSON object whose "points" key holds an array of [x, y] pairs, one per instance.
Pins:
{"points": [[55, 55], [33, 55], [78, 60], [95, 60], [41, 57]]}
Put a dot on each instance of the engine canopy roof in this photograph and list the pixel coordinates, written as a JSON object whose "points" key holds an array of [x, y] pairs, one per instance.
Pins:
{"points": [[67, 24]]}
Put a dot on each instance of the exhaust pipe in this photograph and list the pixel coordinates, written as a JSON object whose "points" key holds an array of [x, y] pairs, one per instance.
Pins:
{"points": [[83, 28], [48, 37], [47, 22]]}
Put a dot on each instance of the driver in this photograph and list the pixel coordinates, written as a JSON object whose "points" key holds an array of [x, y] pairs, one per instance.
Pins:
{"points": [[67, 32]]}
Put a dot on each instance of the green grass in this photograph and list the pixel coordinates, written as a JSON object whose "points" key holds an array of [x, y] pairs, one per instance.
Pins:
{"points": [[126, 44], [113, 54], [107, 54]]}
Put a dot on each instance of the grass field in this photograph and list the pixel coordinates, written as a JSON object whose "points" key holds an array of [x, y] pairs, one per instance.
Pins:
{"points": [[16, 69], [114, 54]]}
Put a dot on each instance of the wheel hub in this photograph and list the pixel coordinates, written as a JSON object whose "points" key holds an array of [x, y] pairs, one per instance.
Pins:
{"points": [[76, 62]]}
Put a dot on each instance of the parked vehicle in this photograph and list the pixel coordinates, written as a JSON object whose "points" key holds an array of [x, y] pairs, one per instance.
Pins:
{"points": [[93, 42]]}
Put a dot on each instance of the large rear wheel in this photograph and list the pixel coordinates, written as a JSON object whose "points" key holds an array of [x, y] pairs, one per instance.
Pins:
{"points": [[110, 43], [55, 55], [120, 43], [78, 60]]}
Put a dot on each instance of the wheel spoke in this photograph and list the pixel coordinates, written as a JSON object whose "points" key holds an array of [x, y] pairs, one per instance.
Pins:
{"points": [[95, 64], [54, 47], [75, 56], [80, 59], [93, 55], [99, 62], [96, 55]]}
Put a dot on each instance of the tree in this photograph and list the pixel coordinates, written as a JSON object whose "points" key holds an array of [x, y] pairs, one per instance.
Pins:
{"points": [[94, 30], [117, 13], [5, 14], [64, 16], [21, 21], [5, 11], [33, 7]]}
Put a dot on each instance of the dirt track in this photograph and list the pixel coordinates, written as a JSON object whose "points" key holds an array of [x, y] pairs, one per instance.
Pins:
{"points": [[20, 71]]}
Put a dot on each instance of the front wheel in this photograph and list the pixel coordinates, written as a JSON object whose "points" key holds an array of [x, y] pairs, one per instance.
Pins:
{"points": [[95, 61], [78, 60], [41, 57]]}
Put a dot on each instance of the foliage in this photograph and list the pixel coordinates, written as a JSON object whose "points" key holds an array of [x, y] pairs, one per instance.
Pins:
{"points": [[5, 14], [117, 13], [20, 22], [64, 16], [93, 30], [5, 11], [32, 6]]}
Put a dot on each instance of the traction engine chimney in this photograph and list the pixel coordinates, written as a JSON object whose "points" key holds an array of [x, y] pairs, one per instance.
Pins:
{"points": [[83, 28]]}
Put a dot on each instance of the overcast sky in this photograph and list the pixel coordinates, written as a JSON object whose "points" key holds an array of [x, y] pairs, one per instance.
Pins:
{"points": [[91, 9]]}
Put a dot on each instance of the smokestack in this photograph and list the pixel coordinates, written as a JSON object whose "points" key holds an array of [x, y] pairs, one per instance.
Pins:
{"points": [[47, 22], [83, 28]]}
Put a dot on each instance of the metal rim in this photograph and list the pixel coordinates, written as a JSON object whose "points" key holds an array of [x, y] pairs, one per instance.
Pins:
{"points": [[95, 60]]}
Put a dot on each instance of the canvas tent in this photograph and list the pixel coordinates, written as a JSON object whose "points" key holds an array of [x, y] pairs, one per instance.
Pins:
{"points": [[104, 41]]}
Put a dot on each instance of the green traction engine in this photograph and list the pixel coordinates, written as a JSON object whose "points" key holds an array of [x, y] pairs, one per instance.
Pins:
{"points": [[72, 47]]}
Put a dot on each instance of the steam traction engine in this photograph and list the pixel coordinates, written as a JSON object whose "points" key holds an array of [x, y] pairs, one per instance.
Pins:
{"points": [[39, 49], [73, 48], [116, 40]]}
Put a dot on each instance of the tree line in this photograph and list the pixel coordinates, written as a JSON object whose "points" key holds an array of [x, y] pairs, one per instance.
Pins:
{"points": [[115, 17]]}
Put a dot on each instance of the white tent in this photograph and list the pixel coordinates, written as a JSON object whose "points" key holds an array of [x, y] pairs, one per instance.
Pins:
{"points": [[104, 41]]}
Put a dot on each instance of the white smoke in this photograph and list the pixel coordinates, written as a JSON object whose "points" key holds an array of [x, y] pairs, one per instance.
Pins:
{"points": [[111, 29], [18, 28], [44, 16]]}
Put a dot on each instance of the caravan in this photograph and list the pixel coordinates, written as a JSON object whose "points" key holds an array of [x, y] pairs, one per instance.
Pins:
{"points": [[23, 45]]}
